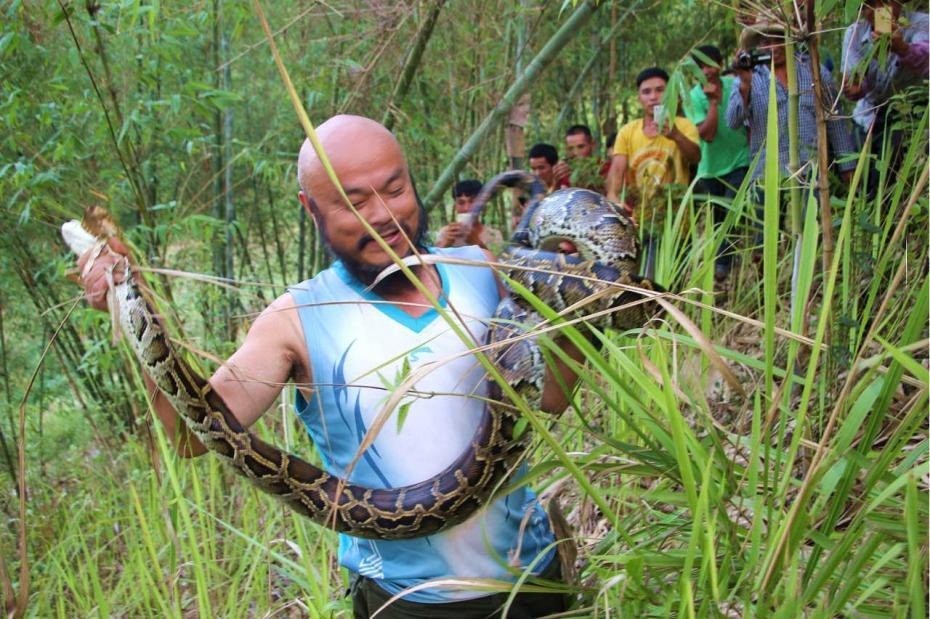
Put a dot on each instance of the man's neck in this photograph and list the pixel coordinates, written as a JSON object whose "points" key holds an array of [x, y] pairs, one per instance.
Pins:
{"points": [[399, 289]]}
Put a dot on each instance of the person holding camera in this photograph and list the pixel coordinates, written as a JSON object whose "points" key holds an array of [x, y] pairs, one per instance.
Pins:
{"points": [[655, 148], [466, 228], [871, 82], [649, 155], [724, 151], [762, 58]]}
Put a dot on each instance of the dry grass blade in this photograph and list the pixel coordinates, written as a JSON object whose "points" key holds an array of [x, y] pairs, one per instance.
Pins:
{"points": [[704, 343]]}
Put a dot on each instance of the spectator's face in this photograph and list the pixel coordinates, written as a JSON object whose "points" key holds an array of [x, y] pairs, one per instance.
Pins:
{"points": [[379, 188], [579, 145], [775, 45], [463, 204], [711, 72], [542, 169], [650, 93]]}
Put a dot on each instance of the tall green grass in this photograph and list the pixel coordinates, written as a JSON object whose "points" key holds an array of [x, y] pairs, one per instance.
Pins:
{"points": [[791, 481]]}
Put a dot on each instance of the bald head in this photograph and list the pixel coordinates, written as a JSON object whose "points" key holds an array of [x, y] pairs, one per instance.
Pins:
{"points": [[372, 170], [347, 140]]}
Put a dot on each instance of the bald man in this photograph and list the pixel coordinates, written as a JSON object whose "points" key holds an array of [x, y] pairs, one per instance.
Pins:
{"points": [[337, 337]]}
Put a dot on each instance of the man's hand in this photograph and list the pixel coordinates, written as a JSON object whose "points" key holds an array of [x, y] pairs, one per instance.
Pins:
{"points": [[690, 151], [626, 208], [108, 267], [853, 91], [561, 171], [453, 235], [712, 91], [744, 75], [898, 45]]}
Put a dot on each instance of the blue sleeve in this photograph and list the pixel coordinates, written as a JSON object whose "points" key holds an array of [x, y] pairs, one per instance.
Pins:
{"points": [[736, 111]]}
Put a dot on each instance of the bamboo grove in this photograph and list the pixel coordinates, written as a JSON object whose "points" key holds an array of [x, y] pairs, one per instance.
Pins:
{"points": [[762, 451]]}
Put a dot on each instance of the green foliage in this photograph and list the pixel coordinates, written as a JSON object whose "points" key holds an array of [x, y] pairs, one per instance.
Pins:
{"points": [[586, 172], [805, 494]]}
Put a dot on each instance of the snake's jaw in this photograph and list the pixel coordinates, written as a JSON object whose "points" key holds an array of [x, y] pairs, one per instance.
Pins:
{"points": [[81, 241], [77, 238]]}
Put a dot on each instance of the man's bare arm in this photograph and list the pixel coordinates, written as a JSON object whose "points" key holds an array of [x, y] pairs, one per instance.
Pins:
{"points": [[707, 129], [249, 382], [554, 399], [616, 177], [690, 151]]}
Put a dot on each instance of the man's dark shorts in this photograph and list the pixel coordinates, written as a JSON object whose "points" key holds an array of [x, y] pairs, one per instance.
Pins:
{"points": [[368, 597]]}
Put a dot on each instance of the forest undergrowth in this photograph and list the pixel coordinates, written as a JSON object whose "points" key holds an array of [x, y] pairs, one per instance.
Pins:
{"points": [[760, 449]]}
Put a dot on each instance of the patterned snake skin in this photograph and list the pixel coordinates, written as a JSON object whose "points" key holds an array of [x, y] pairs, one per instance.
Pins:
{"points": [[585, 218]]}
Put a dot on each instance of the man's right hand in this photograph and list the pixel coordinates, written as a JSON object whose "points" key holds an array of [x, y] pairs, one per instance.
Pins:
{"points": [[108, 268], [453, 235], [744, 75], [711, 91], [853, 91], [561, 172]]}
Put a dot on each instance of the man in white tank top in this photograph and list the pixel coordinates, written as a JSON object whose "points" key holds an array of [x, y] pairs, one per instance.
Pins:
{"points": [[337, 337]]}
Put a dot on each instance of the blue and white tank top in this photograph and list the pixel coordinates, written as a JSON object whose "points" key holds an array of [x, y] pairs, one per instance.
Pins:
{"points": [[361, 347]]}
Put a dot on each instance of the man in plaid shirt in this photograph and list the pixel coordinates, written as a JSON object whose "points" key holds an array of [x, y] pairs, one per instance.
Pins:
{"points": [[749, 103]]}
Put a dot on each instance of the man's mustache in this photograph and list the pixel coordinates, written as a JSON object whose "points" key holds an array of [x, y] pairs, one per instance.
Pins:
{"points": [[367, 238]]}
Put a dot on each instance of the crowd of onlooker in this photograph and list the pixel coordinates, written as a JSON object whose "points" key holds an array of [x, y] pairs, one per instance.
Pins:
{"points": [[717, 137]]}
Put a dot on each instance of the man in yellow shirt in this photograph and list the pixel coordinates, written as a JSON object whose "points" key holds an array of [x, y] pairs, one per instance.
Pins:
{"points": [[646, 154], [650, 153]]}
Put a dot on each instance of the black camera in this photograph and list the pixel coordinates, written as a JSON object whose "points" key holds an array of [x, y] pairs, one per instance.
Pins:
{"points": [[750, 59]]}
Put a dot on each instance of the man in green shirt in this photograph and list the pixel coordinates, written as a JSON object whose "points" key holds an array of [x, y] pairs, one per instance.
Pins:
{"points": [[724, 151]]}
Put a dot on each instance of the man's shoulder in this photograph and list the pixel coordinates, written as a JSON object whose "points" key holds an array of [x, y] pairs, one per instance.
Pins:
{"points": [[697, 93], [281, 306], [918, 23], [324, 280], [632, 125], [687, 127], [630, 128], [276, 321]]}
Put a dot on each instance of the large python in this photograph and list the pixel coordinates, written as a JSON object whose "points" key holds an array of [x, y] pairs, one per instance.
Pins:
{"points": [[607, 248]]}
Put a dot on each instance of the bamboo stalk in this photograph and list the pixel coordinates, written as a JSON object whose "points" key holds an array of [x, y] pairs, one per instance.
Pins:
{"points": [[514, 133], [229, 207], [11, 466], [535, 68], [823, 146], [347, 105], [128, 164], [412, 63], [260, 227], [583, 78], [278, 245]]}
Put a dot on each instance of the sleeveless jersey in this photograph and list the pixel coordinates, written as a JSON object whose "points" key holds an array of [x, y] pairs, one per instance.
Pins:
{"points": [[361, 347]]}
